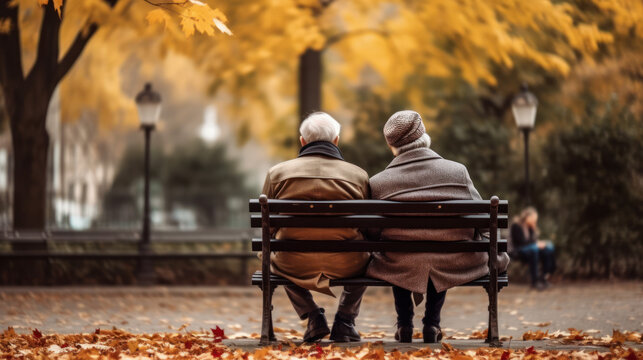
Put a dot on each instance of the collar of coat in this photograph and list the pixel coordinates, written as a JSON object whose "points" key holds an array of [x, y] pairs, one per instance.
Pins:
{"points": [[321, 148], [413, 156]]}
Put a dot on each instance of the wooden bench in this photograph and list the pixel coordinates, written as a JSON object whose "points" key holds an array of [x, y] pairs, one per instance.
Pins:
{"points": [[456, 214]]}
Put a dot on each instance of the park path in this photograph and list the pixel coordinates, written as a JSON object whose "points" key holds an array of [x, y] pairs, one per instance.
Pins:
{"points": [[596, 307]]}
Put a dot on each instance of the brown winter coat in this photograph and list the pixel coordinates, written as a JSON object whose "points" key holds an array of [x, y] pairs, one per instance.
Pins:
{"points": [[423, 175], [317, 177]]}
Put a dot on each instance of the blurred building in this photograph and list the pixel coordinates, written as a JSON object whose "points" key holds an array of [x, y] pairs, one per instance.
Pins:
{"points": [[250, 156], [81, 168]]}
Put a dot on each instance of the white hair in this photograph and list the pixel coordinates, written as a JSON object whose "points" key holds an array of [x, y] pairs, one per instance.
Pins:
{"points": [[423, 141], [319, 126]]}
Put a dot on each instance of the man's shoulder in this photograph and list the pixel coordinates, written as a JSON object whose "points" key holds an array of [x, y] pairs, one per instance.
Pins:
{"points": [[359, 172], [284, 165], [316, 166]]}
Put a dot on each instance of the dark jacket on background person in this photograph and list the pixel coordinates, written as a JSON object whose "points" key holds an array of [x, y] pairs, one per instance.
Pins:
{"points": [[318, 173], [423, 175], [519, 238]]}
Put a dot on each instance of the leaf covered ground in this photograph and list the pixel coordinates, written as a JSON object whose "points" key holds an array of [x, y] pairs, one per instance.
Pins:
{"points": [[175, 323], [120, 344]]}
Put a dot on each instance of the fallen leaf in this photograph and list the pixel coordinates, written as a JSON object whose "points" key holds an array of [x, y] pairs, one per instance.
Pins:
{"points": [[505, 355], [534, 335], [218, 334], [217, 352], [132, 345], [617, 338], [479, 334]]}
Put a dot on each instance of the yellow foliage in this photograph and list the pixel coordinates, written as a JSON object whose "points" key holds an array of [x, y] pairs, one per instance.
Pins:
{"points": [[375, 43], [204, 19], [158, 16]]}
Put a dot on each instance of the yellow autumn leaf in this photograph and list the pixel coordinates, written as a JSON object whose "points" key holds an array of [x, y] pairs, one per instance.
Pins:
{"points": [[132, 345], [158, 16], [187, 25], [58, 4]]}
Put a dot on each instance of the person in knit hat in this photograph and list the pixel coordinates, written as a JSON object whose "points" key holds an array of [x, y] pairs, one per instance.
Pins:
{"points": [[418, 173]]}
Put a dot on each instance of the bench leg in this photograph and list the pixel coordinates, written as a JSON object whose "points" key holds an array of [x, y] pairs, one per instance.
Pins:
{"points": [[267, 330], [493, 338], [272, 330]]}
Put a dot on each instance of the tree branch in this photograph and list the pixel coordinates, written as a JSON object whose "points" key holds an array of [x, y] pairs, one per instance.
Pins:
{"points": [[339, 37], [44, 68], [74, 51], [167, 3], [76, 48], [167, 8], [11, 54]]}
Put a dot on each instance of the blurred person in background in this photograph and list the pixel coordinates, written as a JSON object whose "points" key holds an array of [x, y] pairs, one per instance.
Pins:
{"points": [[320, 173], [527, 247], [417, 173]]}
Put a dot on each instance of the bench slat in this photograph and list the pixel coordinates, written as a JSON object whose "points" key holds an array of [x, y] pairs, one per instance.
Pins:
{"points": [[503, 281], [378, 206], [378, 221], [378, 246]]}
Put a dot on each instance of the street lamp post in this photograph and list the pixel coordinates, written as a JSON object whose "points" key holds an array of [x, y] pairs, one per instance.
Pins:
{"points": [[148, 103], [524, 107]]}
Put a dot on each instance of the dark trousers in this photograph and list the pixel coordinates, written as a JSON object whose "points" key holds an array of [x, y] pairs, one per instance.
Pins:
{"points": [[303, 302], [404, 306], [533, 256]]}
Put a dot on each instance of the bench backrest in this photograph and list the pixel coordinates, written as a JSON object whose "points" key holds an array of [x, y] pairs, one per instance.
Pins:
{"points": [[453, 214]]}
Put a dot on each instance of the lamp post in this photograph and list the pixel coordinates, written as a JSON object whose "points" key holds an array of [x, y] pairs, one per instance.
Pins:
{"points": [[524, 106], [148, 103]]}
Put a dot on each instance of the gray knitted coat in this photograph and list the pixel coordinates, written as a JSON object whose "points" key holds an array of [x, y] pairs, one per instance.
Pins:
{"points": [[423, 175]]}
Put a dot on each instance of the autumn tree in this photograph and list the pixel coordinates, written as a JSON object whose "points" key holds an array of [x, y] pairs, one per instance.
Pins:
{"points": [[33, 61], [288, 55]]}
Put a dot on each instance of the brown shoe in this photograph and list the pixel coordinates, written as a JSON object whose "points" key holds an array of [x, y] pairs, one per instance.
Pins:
{"points": [[317, 327]]}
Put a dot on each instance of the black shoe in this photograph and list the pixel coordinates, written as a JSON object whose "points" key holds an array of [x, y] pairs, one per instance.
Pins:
{"points": [[404, 334], [344, 329], [432, 334], [539, 286], [317, 327]]}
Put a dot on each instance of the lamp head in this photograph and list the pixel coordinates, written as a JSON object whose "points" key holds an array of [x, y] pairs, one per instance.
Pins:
{"points": [[148, 103], [524, 106]]}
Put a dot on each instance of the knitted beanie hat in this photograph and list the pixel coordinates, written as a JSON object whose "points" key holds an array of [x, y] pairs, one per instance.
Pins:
{"points": [[403, 127]]}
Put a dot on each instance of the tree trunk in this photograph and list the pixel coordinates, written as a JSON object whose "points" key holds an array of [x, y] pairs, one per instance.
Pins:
{"points": [[310, 73], [30, 151], [30, 143]]}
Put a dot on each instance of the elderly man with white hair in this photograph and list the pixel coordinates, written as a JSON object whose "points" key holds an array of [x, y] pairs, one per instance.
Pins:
{"points": [[320, 173]]}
